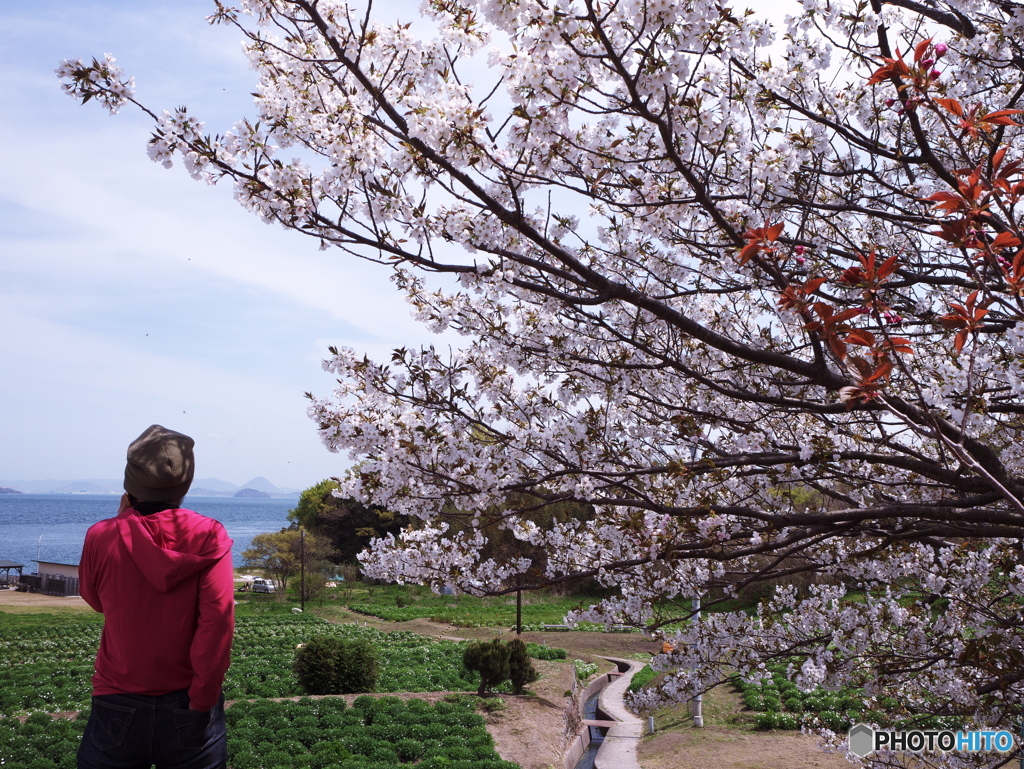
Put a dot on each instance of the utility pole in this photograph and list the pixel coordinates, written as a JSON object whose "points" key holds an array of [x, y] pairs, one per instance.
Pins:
{"points": [[302, 567], [697, 703], [519, 604]]}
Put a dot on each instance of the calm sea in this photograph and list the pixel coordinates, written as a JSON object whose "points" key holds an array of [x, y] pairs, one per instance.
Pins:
{"points": [[54, 525]]}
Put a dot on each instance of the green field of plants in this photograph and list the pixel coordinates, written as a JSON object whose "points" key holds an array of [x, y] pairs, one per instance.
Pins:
{"points": [[46, 665], [397, 603], [779, 704], [61, 656], [375, 733]]}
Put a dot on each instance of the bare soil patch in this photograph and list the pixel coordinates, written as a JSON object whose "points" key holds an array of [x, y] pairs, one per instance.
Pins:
{"points": [[37, 603], [728, 741], [721, 747]]}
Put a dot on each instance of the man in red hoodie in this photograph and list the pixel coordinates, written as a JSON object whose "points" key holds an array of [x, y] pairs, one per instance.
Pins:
{"points": [[162, 578]]}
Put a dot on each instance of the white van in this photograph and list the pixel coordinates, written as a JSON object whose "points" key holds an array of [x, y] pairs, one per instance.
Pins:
{"points": [[262, 586]]}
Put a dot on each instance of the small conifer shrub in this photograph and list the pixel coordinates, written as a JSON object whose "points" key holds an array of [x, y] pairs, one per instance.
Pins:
{"points": [[332, 665], [491, 660], [521, 670]]}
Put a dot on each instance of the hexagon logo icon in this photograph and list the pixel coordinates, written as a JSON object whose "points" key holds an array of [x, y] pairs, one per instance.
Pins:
{"points": [[861, 738]]}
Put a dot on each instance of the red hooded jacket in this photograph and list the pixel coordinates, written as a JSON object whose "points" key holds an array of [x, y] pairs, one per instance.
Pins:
{"points": [[165, 586]]}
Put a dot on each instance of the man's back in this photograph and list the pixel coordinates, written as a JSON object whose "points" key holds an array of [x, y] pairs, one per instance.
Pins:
{"points": [[165, 585], [161, 575]]}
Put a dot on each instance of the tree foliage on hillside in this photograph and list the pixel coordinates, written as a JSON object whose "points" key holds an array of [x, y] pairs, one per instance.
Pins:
{"points": [[346, 523], [691, 271], [282, 555]]}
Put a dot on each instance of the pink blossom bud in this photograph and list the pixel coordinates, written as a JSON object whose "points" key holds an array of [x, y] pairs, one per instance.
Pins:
{"points": [[934, 74], [889, 102], [927, 62], [800, 260], [940, 49], [799, 250]]}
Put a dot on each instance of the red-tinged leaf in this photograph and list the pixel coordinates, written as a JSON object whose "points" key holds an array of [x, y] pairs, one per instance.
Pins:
{"points": [[852, 276], [880, 75], [921, 50], [951, 105], [838, 347], [887, 268], [880, 373], [846, 315], [997, 159], [960, 340], [971, 299], [790, 299], [748, 251], [901, 345], [774, 231], [1002, 113], [812, 285], [999, 121], [952, 321], [1011, 168], [1018, 264], [849, 396], [1005, 240], [824, 310], [950, 201], [860, 367], [980, 313], [861, 337]]}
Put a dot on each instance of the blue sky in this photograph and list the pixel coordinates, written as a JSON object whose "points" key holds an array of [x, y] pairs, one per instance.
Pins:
{"points": [[130, 294]]}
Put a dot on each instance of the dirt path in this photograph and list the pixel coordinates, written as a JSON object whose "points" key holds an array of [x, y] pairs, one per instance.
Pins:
{"points": [[719, 747]]}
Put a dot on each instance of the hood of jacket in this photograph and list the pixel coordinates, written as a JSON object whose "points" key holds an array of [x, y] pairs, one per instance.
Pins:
{"points": [[172, 545]]}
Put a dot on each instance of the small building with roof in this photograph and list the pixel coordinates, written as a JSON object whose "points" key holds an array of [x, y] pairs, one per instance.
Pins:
{"points": [[51, 578], [6, 567]]}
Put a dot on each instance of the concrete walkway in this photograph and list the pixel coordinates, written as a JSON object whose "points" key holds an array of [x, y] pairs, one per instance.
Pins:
{"points": [[618, 751]]}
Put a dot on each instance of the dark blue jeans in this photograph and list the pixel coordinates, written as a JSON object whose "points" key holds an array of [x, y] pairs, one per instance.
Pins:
{"points": [[136, 731]]}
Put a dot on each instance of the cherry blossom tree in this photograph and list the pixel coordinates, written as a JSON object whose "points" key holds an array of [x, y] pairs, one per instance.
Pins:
{"points": [[750, 287]]}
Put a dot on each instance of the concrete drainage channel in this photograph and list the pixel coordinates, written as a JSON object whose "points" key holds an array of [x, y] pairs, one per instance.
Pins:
{"points": [[610, 733]]}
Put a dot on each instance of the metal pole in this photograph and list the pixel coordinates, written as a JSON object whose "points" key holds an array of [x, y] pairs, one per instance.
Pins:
{"points": [[302, 567], [519, 605], [697, 703]]}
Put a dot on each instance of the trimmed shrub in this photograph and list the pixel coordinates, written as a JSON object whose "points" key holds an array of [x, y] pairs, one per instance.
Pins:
{"points": [[333, 665], [490, 660], [409, 750], [521, 670], [542, 652]]}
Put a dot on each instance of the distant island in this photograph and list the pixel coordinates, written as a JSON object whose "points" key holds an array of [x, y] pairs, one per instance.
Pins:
{"points": [[251, 494], [5, 490]]}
